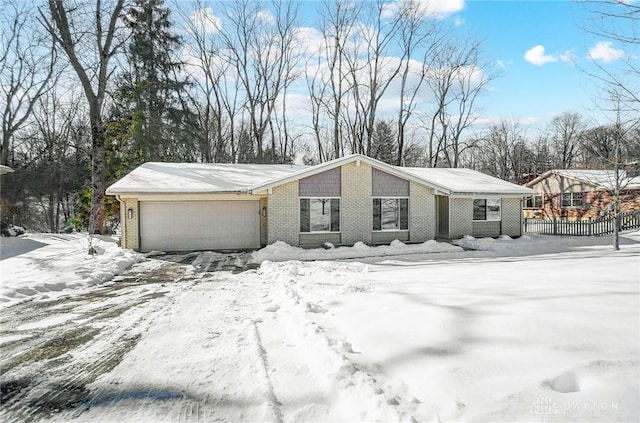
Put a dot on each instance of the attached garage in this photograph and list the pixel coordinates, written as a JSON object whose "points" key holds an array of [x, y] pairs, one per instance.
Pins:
{"points": [[199, 225]]}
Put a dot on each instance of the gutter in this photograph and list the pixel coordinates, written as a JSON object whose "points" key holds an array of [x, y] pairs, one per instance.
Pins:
{"points": [[138, 193]]}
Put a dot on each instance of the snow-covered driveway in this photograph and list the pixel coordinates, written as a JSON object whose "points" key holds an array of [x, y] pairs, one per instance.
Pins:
{"points": [[460, 336], [165, 343]]}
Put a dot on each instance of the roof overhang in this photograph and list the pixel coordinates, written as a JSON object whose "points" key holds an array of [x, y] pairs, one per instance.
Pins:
{"points": [[522, 194], [132, 193]]}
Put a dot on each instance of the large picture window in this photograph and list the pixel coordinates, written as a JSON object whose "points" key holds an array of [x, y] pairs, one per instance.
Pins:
{"points": [[486, 209], [572, 199], [319, 215], [390, 214]]}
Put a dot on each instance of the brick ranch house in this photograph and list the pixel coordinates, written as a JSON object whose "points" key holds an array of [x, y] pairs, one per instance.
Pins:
{"points": [[184, 207], [579, 194]]}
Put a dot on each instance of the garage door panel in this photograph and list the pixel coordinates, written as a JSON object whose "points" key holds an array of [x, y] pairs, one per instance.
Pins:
{"points": [[205, 225]]}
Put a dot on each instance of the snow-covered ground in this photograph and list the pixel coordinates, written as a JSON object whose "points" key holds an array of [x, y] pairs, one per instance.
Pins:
{"points": [[62, 264], [536, 329]]}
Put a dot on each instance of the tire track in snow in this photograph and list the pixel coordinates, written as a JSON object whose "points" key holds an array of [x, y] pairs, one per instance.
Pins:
{"points": [[274, 404], [58, 382], [204, 349]]}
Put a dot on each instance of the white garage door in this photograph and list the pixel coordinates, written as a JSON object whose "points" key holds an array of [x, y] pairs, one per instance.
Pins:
{"points": [[199, 225]]}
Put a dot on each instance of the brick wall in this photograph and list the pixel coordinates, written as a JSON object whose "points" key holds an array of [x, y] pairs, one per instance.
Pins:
{"points": [[355, 207], [511, 216], [460, 217], [387, 185], [387, 237], [597, 204], [486, 228], [422, 209], [130, 237], [284, 214], [325, 184]]}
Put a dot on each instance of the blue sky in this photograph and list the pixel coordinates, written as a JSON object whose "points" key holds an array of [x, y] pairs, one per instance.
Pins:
{"points": [[531, 89], [540, 49]]}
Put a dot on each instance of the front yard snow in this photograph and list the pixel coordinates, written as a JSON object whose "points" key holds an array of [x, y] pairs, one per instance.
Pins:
{"points": [[495, 334]]}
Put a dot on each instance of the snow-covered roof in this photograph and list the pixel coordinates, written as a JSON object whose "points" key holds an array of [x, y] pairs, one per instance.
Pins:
{"points": [[467, 181], [209, 178], [601, 179], [198, 178]]}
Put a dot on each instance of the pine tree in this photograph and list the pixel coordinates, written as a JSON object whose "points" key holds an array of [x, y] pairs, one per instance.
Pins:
{"points": [[151, 93], [383, 142]]}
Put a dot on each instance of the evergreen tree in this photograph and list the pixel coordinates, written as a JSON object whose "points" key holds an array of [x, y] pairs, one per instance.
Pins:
{"points": [[151, 99], [383, 142]]}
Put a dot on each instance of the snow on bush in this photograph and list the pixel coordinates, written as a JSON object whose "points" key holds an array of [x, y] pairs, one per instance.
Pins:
{"points": [[9, 229]]}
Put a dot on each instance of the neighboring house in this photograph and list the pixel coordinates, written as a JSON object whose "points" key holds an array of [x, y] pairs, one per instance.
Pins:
{"points": [[180, 207], [580, 194]]}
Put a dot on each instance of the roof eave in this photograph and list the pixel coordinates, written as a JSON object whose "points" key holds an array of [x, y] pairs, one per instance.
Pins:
{"points": [[501, 194], [139, 193]]}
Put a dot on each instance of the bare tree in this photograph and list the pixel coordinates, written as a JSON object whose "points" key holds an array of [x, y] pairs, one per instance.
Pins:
{"points": [[617, 21], [52, 164], [209, 70], [458, 76], [338, 21], [371, 69], [89, 50], [497, 149], [27, 66], [416, 33], [564, 132], [258, 43], [317, 89]]}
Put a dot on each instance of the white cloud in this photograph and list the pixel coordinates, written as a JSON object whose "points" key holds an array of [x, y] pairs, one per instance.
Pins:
{"points": [[605, 52], [204, 18], [266, 17], [568, 56], [458, 21], [442, 7], [437, 8], [536, 56], [502, 64]]}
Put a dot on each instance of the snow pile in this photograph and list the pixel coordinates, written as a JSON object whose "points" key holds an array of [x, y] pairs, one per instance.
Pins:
{"points": [[502, 243], [64, 263], [281, 251], [505, 246]]}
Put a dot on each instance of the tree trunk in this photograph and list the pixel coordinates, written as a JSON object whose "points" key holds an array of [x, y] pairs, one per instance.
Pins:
{"points": [[96, 217]]}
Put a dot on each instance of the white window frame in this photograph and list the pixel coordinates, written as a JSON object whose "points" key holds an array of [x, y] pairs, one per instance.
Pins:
{"points": [[573, 204], [499, 219], [533, 201], [392, 198], [321, 232]]}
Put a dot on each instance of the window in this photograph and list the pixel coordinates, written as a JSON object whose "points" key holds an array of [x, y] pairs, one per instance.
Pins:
{"points": [[486, 209], [319, 215], [534, 202], [390, 214], [572, 199]]}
